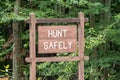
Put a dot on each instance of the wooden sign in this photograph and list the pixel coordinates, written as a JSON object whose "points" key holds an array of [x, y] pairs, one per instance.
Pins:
{"points": [[56, 39]]}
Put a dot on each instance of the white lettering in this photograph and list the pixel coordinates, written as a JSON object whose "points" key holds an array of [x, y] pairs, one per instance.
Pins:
{"points": [[51, 46], [59, 33], [56, 33], [55, 45], [64, 32], [58, 45], [70, 44], [45, 45], [50, 33]]}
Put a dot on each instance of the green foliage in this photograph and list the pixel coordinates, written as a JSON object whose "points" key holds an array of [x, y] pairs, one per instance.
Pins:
{"points": [[93, 39], [102, 42], [64, 69], [6, 71], [3, 51]]}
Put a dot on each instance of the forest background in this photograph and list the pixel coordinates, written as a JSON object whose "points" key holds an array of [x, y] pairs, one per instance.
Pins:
{"points": [[102, 38]]}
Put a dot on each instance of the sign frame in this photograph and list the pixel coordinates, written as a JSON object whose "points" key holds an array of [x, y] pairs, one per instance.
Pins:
{"points": [[32, 59]]}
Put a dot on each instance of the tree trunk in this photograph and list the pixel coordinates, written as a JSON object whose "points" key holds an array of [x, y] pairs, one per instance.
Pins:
{"points": [[108, 13], [94, 54], [17, 50], [92, 17], [106, 16], [92, 20], [102, 13]]}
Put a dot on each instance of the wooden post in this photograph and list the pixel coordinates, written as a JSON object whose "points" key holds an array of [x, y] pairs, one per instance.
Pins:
{"points": [[32, 46], [81, 46]]}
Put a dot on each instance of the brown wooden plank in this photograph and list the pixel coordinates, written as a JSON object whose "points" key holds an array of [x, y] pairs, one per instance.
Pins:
{"points": [[57, 32], [57, 59], [56, 46], [57, 20], [81, 46], [32, 46]]}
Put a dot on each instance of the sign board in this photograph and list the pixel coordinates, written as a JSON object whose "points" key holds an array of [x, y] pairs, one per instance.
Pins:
{"points": [[57, 39]]}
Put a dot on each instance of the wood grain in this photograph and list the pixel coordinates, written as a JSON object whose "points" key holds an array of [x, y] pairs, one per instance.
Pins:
{"points": [[57, 59], [81, 46], [57, 20], [32, 46]]}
